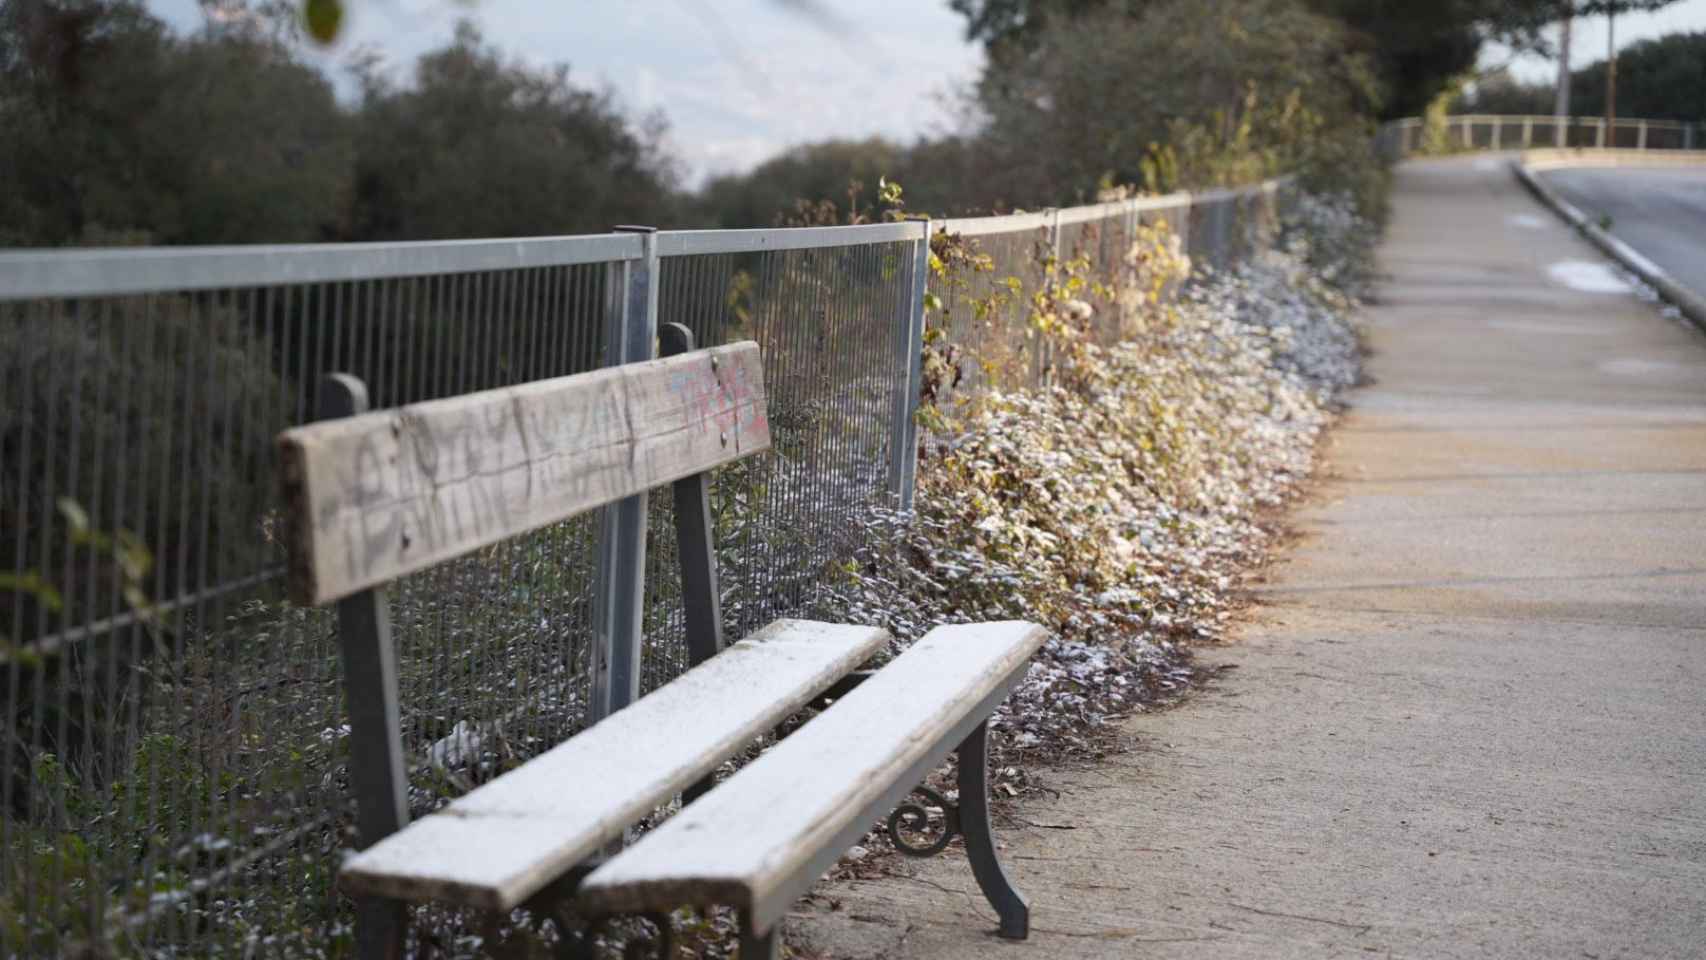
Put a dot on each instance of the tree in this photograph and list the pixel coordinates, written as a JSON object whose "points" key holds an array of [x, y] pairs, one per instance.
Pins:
{"points": [[1416, 48], [1499, 92], [1211, 91], [947, 176], [478, 147], [1611, 8], [117, 131], [1659, 79]]}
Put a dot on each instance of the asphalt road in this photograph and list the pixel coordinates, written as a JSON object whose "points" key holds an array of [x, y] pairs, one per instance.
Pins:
{"points": [[1468, 719], [1659, 212]]}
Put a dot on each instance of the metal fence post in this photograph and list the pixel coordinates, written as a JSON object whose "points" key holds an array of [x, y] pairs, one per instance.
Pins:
{"points": [[1047, 351], [631, 325], [1222, 232], [1641, 136], [1133, 219], [1688, 136], [1527, 132], [1498, 132], [1599, 139], [909, 361]]}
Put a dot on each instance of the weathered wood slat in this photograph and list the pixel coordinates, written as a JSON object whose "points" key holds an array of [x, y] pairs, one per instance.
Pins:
{"points": [[742, 843], [506, 840], [373, 497]]}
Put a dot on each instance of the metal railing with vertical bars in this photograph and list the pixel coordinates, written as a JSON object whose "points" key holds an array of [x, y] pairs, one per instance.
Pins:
{"points": [[1401, 138]]}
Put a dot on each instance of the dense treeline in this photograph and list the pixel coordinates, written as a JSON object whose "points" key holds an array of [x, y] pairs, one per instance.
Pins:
{"points": [[1079, 95], [120, 131], [1415, 48], [1159, 95], [1662, 79]]}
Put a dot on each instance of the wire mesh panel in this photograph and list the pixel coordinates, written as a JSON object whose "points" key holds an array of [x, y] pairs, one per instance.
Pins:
{"points": [[826, 319], [987, 303], [1100, 249], [174, 772], [1211, 241]]}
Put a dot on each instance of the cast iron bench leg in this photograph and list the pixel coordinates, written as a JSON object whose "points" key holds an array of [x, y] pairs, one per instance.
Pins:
{"points": [[1008, 902], [755, 947]]}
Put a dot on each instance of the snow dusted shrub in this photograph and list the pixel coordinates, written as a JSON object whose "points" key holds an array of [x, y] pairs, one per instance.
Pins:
{"points": [[1117, 505], [1329, 233]]}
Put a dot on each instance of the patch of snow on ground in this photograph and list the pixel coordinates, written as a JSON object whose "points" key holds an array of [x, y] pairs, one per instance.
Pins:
{"points": [[1588, 277]]}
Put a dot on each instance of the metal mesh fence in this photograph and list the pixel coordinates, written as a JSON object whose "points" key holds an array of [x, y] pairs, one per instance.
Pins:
{"points": [[986, 308], [825, 319], [174, 779]]}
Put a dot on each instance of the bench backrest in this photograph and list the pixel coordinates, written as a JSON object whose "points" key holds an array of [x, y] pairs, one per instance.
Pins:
{"points": [[375, 496], [370, 497]]}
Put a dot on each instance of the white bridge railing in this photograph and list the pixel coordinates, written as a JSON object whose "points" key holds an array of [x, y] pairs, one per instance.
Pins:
{"points": [[1412, 135]]}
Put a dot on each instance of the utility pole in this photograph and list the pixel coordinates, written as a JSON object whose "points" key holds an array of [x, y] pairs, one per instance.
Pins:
{"points": [[1611, 78], [1561, 107]]}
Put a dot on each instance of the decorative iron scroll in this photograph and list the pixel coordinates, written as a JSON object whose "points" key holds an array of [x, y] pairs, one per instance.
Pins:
{"points": [[913, 819]]}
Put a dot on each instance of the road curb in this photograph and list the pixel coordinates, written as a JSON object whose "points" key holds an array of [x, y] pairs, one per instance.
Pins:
{"points": [[1692, 305]]}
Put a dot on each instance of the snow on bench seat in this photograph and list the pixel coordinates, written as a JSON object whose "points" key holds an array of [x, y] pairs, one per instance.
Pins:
{"points": [[508, 839], [757, 839]]}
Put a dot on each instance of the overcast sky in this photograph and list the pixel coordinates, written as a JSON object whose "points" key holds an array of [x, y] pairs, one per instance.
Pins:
{"points": [[740, 80], [1587, 40]]}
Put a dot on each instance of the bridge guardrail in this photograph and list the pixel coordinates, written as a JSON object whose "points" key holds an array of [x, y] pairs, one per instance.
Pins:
{"points": [[1411, 135]]}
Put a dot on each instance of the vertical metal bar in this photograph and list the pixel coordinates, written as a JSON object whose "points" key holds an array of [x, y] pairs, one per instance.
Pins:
{"points": [[136, 456], [1527, 132], [772, 282], [1641, 135], [618, 604], [1599, 122], [376, 769], [695, 550], [1046, 344], [1498, 133], [801, 501], [909, 357], [1688, 136]]}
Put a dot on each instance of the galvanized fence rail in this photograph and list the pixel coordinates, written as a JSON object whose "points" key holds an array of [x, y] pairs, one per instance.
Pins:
{"points": [[174, 774], [1401, 138]]}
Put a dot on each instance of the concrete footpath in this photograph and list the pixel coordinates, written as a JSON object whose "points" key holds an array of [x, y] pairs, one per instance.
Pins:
{"points": [[1468, 717]]}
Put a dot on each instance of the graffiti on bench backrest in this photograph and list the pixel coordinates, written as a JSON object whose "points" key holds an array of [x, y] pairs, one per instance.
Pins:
{"points": [[386, 493]]}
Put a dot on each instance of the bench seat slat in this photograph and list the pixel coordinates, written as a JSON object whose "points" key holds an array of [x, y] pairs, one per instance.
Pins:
{"points": [[746, 841], [506, 840]]}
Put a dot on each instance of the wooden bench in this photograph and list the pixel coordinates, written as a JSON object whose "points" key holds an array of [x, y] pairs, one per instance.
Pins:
{"points": [[372, 496]]}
